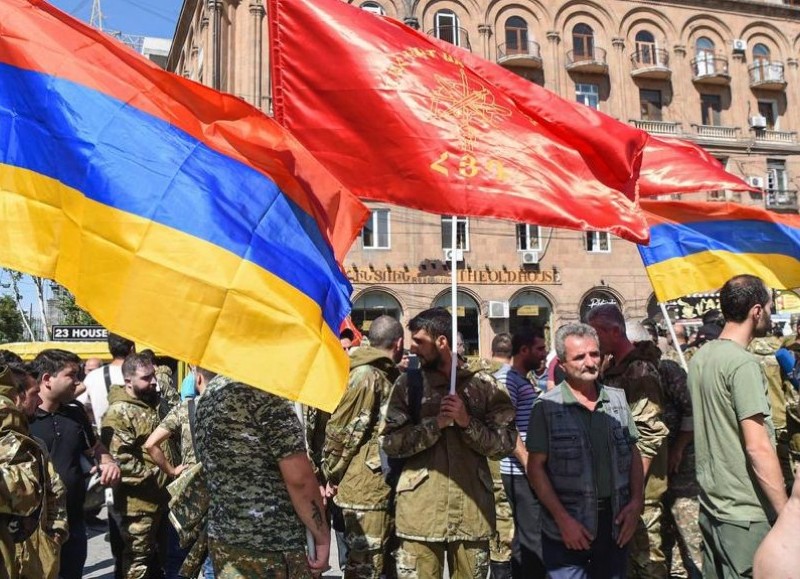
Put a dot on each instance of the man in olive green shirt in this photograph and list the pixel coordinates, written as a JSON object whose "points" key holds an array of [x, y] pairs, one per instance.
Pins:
{"points": [[737, 466]]}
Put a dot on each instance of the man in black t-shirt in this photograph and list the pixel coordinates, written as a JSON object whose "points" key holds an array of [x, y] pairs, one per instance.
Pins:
{"points": [[63, 425]]}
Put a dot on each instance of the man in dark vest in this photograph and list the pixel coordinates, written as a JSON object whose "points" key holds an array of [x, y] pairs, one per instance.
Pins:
{"points": [[584, 465]]}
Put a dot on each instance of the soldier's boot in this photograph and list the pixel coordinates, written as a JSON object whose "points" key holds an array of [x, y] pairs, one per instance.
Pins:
{"points": [[500, 570]]}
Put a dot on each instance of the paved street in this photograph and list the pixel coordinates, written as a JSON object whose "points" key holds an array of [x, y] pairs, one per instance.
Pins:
{"points": [[100, 565]]}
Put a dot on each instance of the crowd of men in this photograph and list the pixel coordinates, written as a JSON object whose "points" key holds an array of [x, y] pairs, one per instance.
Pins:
{"points": [[611, 461]]}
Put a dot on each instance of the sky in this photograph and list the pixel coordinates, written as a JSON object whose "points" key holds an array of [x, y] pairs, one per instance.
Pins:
{"points": [[138, 17]]}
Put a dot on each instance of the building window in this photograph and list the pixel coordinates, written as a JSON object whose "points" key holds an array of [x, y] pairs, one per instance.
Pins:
{"points": [[776, 175], [767, 109], [598, 242], [529, 237], [371, 305], [462, 232], [529, 309], [588, 94], [446, 26], [373, 7], [704, 56], [650, 104], [646, 48], [516, 35], [467, 319], [375, 234], [760, 53], [710, 109], [583, 42]]}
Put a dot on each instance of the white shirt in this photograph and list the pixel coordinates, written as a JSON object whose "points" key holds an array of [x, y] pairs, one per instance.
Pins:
{"points": [[96, 392]]}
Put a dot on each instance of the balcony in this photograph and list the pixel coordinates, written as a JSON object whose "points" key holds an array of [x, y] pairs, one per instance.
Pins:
{"points": [[710, 69], [526, 55], [781, 201], [651, 63], [773, 136], [657, 127], [767, 75], [591, 62], [716, 133], [452, 34]]}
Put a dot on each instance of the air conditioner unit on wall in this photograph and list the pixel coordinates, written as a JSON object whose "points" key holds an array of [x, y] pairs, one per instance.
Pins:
{"points": [[758, 122], [739, 45], [498, 309], [449, 255], [529, 257], [755, 181]]}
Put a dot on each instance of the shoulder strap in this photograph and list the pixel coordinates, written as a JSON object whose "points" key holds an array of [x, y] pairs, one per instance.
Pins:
{"points": [[415, 394], [192, 408], [107, 376]]}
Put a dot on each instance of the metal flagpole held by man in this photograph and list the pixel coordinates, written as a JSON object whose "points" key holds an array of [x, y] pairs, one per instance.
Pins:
{"points": [[453, 303], [672, 333]]}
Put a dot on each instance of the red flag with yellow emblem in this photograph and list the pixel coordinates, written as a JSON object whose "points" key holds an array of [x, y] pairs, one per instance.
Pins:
{"points": [[404, 118]]}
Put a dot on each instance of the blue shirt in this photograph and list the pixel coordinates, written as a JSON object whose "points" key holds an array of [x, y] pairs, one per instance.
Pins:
{"points": [[522, 394]]}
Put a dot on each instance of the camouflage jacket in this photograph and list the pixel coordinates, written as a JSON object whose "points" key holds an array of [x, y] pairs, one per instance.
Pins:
{"points": [[166, 387], [22, 486], [351, 457], [126, 426], [637, 374], [781, 392], [445, 489], [677, 399], [316, 421], [177, 423]]}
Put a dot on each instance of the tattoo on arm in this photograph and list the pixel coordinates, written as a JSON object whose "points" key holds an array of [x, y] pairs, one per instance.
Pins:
{"points": [[316, 515]]}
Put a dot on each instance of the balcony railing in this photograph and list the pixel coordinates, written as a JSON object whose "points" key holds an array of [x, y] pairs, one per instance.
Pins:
{"points": [[716, 132], [773, 136], [452, 34], [650, 63], [526, 54], [781, 200], [657, 127], [592, 61], [767, 75], [710, 69]]}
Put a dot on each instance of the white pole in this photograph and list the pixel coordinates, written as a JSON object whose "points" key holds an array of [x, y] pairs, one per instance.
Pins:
{"points": [[674, 337], [453, 305]]}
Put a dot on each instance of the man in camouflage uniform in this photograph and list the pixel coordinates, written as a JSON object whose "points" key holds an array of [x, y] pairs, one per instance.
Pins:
{"points": [[140, 501], [444, 499], [634, 369], [263, 490], [21, 474], [680, 530], [351, 457]]}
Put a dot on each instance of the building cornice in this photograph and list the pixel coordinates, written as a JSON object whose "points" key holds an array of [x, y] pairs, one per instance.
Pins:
{"points": [[181, 31], [751, 7]]}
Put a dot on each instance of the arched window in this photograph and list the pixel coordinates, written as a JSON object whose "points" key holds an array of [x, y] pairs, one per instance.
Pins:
{"points": [[761, 53], [373, 7], [372, 304], [646, 48], [704, 56], [468, 318], [583, 42], [528, 309], [445, 26], [516, 35]]}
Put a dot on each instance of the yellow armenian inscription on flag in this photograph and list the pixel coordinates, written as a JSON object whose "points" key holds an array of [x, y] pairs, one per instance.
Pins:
{"points": [[468, 105]]}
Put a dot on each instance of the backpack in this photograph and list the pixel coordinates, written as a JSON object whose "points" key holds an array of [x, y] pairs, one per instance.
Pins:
{"points": [[392, 467]]}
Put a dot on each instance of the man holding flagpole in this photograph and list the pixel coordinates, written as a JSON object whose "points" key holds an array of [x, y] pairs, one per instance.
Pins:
{"points": [[446, 452]]}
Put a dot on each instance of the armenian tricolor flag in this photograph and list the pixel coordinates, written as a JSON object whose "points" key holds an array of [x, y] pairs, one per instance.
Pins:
{"points": [[178, 216], [696, 247]]}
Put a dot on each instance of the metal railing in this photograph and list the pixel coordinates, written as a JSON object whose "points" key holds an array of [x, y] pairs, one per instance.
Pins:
{"points": [[716, 132], [595, 55], [763, 72], [528, 49], [705, 65], [785, 200], [650, 58], [452, 34], [658, 127], [773, 136]]}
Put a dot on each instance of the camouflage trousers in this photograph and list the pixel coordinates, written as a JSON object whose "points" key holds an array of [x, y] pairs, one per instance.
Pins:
{"points": [[368, 535], [501, 542], [144, 544], [646, 560], [425, 560], [231, 562], [682, 540]]}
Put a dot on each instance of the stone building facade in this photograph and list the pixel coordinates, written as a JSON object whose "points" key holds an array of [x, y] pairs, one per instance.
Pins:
{"points": [[721, 73]]}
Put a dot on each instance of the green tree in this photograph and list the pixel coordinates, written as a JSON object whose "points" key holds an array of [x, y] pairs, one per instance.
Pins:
{"points": [[72, 312], [11, 327]]}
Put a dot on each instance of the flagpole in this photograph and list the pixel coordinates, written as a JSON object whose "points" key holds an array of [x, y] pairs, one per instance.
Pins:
{"points": [[453, 306], [672, 333]]}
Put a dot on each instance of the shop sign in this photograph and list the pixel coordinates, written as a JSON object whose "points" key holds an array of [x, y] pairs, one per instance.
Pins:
{"points": [[79, 333], [528, 311], [596, 298], [692, 307], [464, 276], [461, 311]]}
